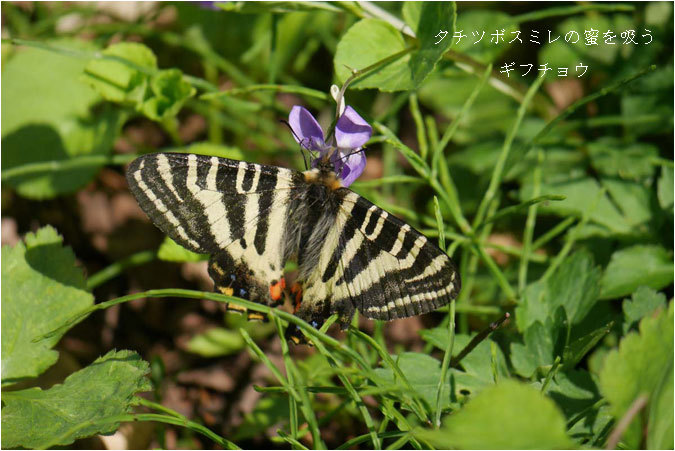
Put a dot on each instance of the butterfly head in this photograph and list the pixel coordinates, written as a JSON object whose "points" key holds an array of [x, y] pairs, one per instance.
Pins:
{"points": [[341, 152]]}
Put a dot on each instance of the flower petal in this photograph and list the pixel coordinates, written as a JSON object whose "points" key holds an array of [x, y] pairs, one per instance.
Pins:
{"points": [[352, 168], [307, 131], [351, 130]]}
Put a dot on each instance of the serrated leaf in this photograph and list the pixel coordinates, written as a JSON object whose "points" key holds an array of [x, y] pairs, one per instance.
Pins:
{"points": [[423, 372], [168, 95], [36, 418], [269, 411], [574, 286], [660, 426], [665, 188], [577, 349], [581, 194], [634, 200], [367, 42], [117, 81], [510, 415], [634, 161], [637, 368], [643, 302], [481, 46], [478, 362], [540, 342], [631, 267], [171, 251], [41, 289], [432, 17], [51, 120]]}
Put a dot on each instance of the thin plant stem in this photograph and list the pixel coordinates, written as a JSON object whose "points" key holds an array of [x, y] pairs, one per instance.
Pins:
{"points": [[85, 161], [447, 357], [277, 88], [166, 419], [290, 374], [415, 405], [585, 100], [529, 226], [291, 440], [419, 125], [551, 373], [365, 437], [498, 171], [554, 232], [572, 236], [354, 395], [115, 269], [300, 396], [475, 341]]}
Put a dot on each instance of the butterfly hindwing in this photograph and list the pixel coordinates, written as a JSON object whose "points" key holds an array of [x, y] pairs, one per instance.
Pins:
{"points": [[376, 263], [233, 210]]}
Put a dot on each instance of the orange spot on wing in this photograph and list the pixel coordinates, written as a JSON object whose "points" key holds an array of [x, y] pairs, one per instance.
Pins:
{"points": [[276, 289], [296, 290]]}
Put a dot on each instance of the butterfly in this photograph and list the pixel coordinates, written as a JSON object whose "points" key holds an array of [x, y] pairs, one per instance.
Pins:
{"points": [[253, 218]]}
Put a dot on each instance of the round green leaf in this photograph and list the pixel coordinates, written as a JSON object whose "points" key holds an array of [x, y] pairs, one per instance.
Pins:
{"points": [[41, 289], [510, 415], [49, 119], [367, 42]]}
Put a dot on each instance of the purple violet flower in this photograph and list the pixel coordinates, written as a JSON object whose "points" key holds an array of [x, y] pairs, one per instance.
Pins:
{"points": [[351, 133]]}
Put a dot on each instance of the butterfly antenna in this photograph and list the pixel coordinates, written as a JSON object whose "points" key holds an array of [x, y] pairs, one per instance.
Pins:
{"points": [[303, 149], [362, 149]]}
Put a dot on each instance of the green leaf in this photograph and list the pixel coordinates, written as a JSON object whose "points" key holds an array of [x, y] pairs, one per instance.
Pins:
{"points": [[510, 415], [51, 119], [576, 392], [42, 289], [423, 372], [576, 350], [642, 303], [574, 285], [367, 42], [431, 17], [633, 161], [539, 347], [665, 188], [660, 426], [216, 342], [36, 418], [631, 267], [490, 113], [634, 199], [171, 251], [169, 93], [119, 82], [270, 411], [580, 196], [478, 362], [637, 368], [479, 46]]}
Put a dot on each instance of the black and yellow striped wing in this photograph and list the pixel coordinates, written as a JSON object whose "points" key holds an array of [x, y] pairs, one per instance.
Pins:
{"points": [[376, 263], [233, 210]]}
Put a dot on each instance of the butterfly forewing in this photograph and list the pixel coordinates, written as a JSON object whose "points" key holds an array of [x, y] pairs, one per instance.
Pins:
{"points": [[231, 209]]}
